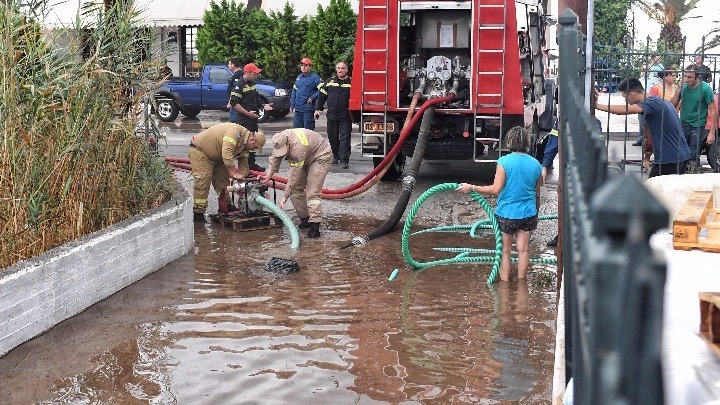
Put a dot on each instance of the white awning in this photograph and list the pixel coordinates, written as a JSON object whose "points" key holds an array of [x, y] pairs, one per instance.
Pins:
{"points": [[160, 13]]}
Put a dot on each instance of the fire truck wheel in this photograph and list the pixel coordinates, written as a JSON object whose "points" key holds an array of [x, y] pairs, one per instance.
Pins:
{"points": [[396, 167]]}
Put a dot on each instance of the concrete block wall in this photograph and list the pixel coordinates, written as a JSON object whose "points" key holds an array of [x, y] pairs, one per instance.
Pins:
{"points": [[38, 293]]}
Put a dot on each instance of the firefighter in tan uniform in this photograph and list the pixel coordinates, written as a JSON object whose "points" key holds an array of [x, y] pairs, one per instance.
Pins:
{"points": [[212, 159], [310, 157]]}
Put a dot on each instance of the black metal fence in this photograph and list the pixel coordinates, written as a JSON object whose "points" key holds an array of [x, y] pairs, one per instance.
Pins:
{"points": [[612, 283]]}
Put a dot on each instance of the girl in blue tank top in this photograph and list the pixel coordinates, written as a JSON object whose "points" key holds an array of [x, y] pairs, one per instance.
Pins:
{"points": [[517, 185]]}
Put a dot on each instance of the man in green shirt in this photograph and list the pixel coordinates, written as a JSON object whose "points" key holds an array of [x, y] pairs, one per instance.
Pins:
{"points": [[698, 101]]}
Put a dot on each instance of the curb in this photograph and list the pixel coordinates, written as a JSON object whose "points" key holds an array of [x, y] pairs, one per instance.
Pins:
{"points": [[38, 293]]}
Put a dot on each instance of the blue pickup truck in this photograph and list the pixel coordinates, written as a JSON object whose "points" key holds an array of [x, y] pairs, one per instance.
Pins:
{"points": [[189, 96]]}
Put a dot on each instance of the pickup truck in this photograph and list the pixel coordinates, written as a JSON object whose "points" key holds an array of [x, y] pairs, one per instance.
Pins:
{"points": [[189, 96]]}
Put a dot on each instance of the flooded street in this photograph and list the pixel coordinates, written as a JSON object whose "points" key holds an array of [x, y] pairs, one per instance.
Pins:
{"points": [[214, 327]]}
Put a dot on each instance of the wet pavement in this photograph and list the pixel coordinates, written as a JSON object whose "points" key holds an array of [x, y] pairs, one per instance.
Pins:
{"points": [[214, 327]]}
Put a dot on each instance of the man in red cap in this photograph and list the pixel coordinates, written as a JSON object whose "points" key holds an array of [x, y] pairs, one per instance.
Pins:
{"points": [[245, 101], [304, 94]]}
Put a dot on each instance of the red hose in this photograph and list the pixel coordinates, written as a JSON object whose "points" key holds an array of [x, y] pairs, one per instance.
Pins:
{"points": [[360, 185]]}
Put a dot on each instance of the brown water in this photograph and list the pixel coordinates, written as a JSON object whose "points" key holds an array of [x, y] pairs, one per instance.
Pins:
{"points": [[214, 328]]}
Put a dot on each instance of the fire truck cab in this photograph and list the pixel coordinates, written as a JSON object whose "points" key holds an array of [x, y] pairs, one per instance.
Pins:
{"points": [[487, 52]]}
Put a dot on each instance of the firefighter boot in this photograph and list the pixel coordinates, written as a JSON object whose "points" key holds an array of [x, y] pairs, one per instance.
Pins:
{"points": [[304, 224], [198, 217], [223, 203], [314, 231], [252, 165]]}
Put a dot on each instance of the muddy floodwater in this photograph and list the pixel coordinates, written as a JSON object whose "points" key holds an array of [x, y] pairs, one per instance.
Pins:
{"points": [[215, 328]]}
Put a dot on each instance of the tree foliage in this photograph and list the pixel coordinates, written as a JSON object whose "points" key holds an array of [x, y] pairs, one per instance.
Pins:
{"points": [[280, 55], [331, 36], [277, 42], [669, 13], [231, 31], [611, 25]]}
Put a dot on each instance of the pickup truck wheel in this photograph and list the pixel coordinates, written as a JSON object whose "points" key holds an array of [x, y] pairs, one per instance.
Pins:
{"points": [[191, 112], [264, 115], [277, 114], [167, 110]]}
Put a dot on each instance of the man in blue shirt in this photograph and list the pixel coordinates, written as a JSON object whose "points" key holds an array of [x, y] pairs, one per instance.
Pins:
{"points": [[669, 145], [305, 92]]}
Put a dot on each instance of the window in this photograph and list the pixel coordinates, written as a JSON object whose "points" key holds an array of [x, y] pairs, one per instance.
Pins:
{"points": [[190, 63], [219, 75]]}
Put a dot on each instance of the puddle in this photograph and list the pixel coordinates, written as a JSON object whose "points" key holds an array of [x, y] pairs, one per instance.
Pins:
{"points": [[214, 327]]}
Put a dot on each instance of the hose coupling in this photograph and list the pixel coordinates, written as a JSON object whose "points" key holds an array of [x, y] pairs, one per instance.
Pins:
{"points": [[359, 240], [408, 183]]}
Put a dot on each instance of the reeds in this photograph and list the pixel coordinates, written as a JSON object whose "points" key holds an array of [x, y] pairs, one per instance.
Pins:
{"points": [[70, 161]]}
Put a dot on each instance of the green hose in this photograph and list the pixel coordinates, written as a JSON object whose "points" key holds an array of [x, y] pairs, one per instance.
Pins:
{"points": [[294, 235], [464, 253], [478, 259]]}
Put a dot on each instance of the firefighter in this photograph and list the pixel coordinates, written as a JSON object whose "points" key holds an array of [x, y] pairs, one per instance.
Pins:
{"points": [[212, 159], [310, 158], [304, 94], [245, 100], [339, 124]]}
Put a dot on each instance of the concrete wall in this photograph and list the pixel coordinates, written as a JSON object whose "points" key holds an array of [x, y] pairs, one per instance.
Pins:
{"points": [[38, 293]]}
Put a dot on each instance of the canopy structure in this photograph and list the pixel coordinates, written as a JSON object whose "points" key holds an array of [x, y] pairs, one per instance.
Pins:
{"points": [[159, 13]]}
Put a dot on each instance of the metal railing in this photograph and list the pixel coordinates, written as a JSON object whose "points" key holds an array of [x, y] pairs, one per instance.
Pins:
{"points": [[617, 61], [613, 285]]}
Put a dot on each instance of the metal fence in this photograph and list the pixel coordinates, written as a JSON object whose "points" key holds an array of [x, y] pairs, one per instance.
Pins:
{"points": [[613, 285], [617, 61]]}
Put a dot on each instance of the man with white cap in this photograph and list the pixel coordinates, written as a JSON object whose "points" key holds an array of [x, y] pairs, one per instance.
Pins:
{"points": [[212, 160], [310, 157]]}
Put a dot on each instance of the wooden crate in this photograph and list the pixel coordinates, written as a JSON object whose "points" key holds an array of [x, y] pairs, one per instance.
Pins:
{"points": [[697, 214], [710, 319], [252, 223]]}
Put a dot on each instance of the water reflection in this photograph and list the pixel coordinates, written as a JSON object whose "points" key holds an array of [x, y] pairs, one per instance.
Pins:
{"points": [[218, 329]]}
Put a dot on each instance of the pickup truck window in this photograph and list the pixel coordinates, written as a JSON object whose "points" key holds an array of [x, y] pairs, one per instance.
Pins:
{"points": [[219, 75]]}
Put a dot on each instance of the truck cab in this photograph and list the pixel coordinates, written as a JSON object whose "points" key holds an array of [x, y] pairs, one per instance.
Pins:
{"points": [[189, 96]]}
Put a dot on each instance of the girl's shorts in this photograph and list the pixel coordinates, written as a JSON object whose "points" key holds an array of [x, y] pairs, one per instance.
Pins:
{"points": [[511, 226]]}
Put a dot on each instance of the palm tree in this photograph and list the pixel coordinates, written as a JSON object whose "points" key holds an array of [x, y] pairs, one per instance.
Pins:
{"points": [[668, 13]]}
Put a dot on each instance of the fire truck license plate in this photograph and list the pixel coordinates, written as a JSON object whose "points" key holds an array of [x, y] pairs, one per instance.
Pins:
{"points": [[379, 127]]}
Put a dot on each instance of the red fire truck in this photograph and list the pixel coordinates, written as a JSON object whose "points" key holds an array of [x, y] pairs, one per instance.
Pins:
{"points": [[488, 52]]}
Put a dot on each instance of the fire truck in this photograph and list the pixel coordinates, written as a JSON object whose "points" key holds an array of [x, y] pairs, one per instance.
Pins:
{"points": [[489, 53]]}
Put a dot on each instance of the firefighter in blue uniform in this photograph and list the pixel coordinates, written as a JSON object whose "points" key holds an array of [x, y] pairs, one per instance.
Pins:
{"points": [[304, 94], [337, 93]]}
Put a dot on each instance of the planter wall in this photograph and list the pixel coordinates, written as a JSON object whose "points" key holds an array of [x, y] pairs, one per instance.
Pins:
{"points": [[38, 293]]}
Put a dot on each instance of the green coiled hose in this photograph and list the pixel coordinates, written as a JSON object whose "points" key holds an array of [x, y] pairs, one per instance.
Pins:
{"points": [[464, 254]]}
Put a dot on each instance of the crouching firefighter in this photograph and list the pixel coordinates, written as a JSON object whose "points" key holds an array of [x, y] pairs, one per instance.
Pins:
{"points": [[310, 157], [212, 160]]}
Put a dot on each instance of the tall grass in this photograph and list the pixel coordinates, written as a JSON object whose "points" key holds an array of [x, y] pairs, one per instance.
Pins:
{"points": [[70, 161]]}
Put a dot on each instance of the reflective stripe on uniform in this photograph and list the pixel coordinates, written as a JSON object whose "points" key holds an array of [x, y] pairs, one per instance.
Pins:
{"points": [[554, 132], [248, 88], [344, 85], [333, 84], [323, 91], [295, 86], [200, 201], [238, 95], [230, 139], [303, 138], [297, 164]]}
